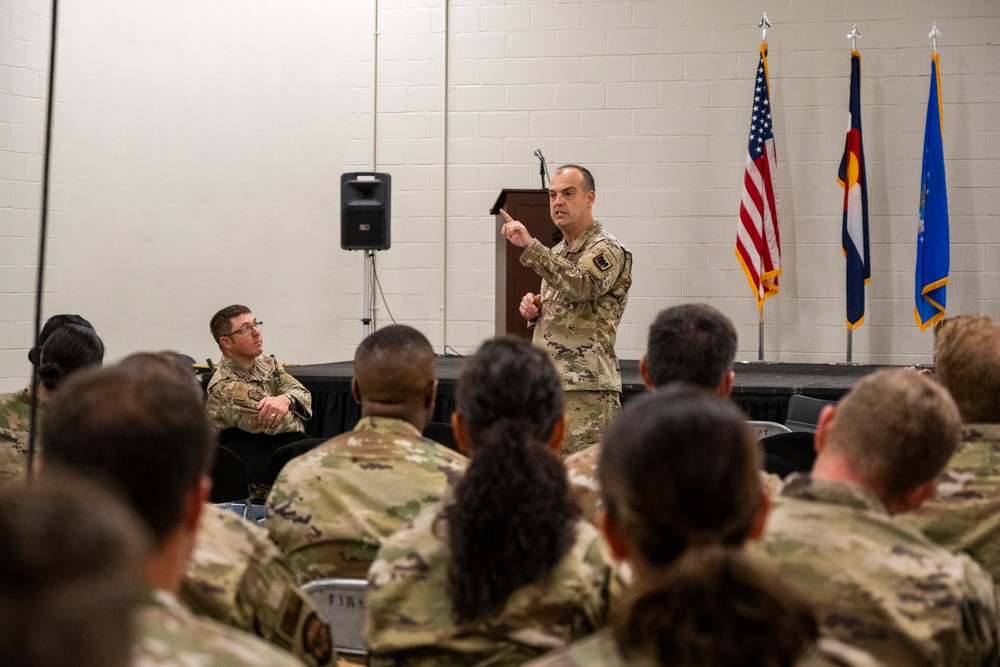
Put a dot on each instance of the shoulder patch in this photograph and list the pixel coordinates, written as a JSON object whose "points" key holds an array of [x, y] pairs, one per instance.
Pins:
{"points": [[602, 262], [316, 639]]}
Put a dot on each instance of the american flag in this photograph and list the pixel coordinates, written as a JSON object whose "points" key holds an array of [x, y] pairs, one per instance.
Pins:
{"points": [[758, 245]]}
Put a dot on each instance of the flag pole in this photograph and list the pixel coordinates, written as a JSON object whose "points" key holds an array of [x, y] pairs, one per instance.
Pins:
{"points": [[853, 36], [760, 334], [764, 24]]}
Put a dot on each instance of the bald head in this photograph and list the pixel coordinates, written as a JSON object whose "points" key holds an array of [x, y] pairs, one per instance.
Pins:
{"points": [[394, 375]]}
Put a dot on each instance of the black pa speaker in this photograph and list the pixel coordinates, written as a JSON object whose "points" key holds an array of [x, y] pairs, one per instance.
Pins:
{"points": [[364, 211]]}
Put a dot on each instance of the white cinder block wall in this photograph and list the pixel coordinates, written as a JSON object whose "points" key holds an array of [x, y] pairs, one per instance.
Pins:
{"points": [[200, 147]]}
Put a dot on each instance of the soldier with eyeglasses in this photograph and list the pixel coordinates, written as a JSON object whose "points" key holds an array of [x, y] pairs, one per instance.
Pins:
{"points": [[250, 390]]}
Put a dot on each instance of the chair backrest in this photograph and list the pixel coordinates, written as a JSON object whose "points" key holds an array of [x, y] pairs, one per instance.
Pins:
{"points": [[788, 452], [286, 453], [341, 603], [762, 429], [229, 477], [441, 433], [803, 412]]}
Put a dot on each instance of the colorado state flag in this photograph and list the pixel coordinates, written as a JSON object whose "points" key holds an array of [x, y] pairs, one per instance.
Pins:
{"points": [[932, 236], [854, 235]]}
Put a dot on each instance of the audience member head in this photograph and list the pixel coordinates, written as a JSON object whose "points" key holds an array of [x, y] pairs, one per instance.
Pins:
{"points": [[967, 360], [51, 325], [682, 492], [68, 349], [692, 343], [221, 323], [394, 375], [892, 433], [67, 571], [139, 426], [511, 520]]}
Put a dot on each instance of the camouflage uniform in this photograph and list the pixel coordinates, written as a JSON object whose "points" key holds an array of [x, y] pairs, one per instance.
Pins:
{"points": [[238, 576], [234, 394], [965, 515], [585, 488], [877, 583], [330, 509], [168, 635], [409, 615], [15, 424], [584, 291], [599, 650]]}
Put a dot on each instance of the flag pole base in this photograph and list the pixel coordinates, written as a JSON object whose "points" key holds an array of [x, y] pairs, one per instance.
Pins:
{"points": [[850, 345], [760, 336]]}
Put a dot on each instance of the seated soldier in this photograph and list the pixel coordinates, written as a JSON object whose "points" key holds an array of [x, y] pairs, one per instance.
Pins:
{"points": [[682, 496], [330, 509], [965, 514], [69, 557], [692, 343], [877, 583], [251, 391], [141, 429], [76, 346], [238, 576], [502, 570]]}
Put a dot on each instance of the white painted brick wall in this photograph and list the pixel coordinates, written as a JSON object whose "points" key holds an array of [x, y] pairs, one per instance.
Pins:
{"points": [[183, 153]]}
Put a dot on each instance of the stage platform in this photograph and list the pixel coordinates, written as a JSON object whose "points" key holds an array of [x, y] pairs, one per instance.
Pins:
{"points": [[762, 389]]}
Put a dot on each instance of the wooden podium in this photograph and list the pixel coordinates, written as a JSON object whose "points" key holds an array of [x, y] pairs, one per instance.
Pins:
{"points": [[531, 208]]}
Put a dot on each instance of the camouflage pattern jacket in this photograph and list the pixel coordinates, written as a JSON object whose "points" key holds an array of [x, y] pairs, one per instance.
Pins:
{"points": [[168, 635], [877, 583], [238, 576], [330, 509], [409, 617], [234, 395], [965, 515], [584, 291], [585, 488], [15, 424], [599, 650]]}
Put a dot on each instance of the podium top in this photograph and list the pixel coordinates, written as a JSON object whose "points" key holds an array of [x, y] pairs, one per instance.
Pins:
{"points": [[506, 192]]}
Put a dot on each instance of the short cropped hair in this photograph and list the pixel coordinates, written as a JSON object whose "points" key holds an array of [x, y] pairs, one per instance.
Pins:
{"points": [[896, 430], [221, 323], [67, 568], [588, 178], [967, 355], [693, 343], [140, 427]]}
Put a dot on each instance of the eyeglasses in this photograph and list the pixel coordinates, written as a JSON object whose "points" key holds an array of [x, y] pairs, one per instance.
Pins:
{"points": [[247, 328]]}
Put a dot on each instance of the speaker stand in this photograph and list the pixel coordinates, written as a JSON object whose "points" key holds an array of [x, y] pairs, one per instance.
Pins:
{"points": [[368, 316]]}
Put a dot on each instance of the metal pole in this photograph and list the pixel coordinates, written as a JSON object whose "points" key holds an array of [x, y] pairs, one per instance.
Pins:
{"points": [[760, 335], [850, 345], [368, 316]]}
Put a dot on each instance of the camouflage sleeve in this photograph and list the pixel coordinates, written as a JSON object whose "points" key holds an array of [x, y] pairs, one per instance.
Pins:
{"points": [[301, 398], [282, 613], [593, 275], [230, 405], [980, 614]]}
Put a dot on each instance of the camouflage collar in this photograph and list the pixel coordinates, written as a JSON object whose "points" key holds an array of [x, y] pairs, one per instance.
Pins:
{"points": [[233, 368], [981, 433], [805, 487], [585, 236], [156, 597], [387, 424]]}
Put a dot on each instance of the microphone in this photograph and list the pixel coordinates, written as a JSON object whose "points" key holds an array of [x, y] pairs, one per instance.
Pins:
{"points": [[543, 169]]}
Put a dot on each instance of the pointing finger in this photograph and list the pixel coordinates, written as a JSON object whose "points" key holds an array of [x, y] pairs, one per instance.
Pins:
{"points": [[507, 217]]}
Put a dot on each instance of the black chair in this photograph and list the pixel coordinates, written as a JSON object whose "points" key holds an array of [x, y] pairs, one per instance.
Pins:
{"points": [[441, 432], [785, 453], [803, 412], [282, 455], [229, 481]]}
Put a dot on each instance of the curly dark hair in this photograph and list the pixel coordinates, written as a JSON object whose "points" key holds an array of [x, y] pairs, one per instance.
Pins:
{"points": [[680, 477], [512, 519]]}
